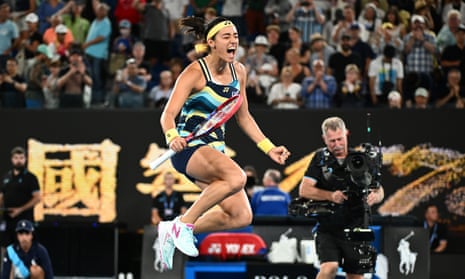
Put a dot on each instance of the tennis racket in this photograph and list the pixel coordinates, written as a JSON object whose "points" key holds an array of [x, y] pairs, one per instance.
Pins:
{"points": [[217, 118]]}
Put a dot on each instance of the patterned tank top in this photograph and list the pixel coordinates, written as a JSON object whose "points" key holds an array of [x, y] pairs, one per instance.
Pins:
{"points": [[200, 104]]}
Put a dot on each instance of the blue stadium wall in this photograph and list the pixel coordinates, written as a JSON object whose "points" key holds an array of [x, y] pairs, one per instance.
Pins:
{"points": [[135, 130]]}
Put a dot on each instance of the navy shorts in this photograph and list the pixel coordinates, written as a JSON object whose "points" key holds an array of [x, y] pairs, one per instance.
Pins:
{"points": [[336, 248], [180, 160]]}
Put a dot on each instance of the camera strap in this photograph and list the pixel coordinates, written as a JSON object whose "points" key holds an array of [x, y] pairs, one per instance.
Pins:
{"points": [[326, 170]]}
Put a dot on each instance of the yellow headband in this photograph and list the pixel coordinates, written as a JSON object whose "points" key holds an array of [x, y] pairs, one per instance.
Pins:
{"points": [[203, 47], [215, 29]]}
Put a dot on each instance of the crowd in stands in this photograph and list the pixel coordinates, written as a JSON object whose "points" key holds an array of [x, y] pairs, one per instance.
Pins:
{"points": [[299, 54]]}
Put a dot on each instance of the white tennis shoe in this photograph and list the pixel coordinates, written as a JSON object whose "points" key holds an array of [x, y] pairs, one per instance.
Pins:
{"points": [[165, 249], [182, 235]]}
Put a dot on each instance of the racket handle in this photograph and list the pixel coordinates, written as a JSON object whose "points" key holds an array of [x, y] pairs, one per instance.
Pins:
{"points": [[165, 156]]}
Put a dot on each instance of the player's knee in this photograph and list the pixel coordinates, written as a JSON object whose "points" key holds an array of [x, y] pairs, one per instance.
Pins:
{"points": [[237, 181], [245, 218], [328, 270]]}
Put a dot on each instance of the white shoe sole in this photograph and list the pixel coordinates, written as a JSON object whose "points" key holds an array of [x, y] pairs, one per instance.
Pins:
{"points": [[163, 236]]}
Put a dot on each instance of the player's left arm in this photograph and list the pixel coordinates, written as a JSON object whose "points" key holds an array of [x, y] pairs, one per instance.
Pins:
{"points": [[248, 124]]}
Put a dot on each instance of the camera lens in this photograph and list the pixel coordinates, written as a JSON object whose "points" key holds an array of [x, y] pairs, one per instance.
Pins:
{"points": [[357, 162]]}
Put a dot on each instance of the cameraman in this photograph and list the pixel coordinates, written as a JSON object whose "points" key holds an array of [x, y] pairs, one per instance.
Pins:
{"points": [[325, 180]]}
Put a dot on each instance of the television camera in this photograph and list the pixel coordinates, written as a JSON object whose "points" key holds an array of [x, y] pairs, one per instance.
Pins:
{"points": [[363, 166]]}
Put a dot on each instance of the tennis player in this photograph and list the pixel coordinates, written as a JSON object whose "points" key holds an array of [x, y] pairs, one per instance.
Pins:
{"points": [[200, 88]]}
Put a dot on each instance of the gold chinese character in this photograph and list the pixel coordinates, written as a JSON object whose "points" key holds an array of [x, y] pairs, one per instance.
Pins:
{"points": [[75, 179]]}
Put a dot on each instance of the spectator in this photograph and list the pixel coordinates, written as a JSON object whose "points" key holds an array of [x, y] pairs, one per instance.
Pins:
{"points": [[371, 20], [421, 100], [60, 44], [169, 203], [385, 74], [446, 35], [319, 49], [50, 35], [454, 5], [160, 94], [176, 9], [393, 17], [130, 87], [362, 48], [121, 47], [433, 20], [286, 93], [51, 92], [299, 71], [156, 34], [386, 35], [343, 26], [46, 10], [394, 100], [277, 11], [340, 59], [78, 25], [32, 38], [318, 90], [350, 92], [96, 49], [262, 69], [255, 17], [277, 48], [271, 200], [36, 75], [295, 41], [452, 95], [454, 56], [127, 10], [9, 37], [12, 86], [138, 53], [19, 193], [26, 258], [380, 6], [72, 80], [392, 32], [437, 231], [307, 17], [420, 49]]}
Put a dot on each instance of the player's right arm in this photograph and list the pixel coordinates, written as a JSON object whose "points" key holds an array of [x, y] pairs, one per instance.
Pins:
{"points": [[189, 80]]}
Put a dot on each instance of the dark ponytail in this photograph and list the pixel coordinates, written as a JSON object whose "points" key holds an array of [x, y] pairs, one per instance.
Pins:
{"points": [[194, 25], [198, 27]]}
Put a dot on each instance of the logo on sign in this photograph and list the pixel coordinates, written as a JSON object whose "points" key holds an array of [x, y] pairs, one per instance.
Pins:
{"points": [[232, 248], [407, 257]]}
